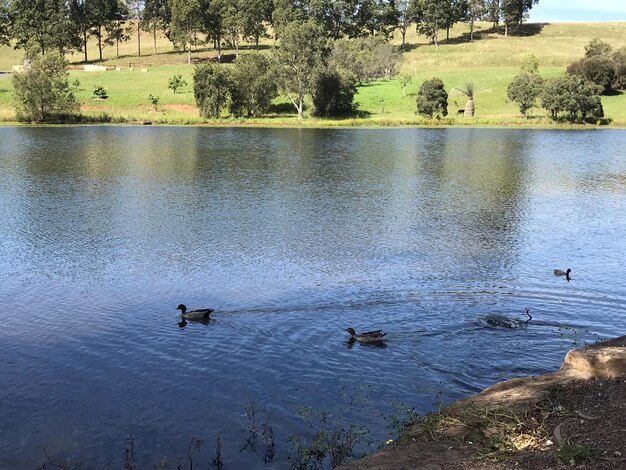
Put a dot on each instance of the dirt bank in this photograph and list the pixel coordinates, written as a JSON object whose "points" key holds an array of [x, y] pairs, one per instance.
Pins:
{"points": [[573, 418]]}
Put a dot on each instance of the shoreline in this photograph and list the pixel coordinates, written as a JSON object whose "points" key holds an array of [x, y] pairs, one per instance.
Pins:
{"points": [[569, 417]]}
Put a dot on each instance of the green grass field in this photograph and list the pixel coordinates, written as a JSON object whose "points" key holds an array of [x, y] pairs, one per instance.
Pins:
{"points": [[490, 62]]}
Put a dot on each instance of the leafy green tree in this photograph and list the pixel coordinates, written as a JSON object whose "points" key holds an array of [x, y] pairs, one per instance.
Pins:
{"points": [[476, 9], [211, 86], [432, 98], [42, 22], [176, 82], [515, 11], [406, 17], [81, 22], [256, 15], [157, 15], [253, 85], [216, 22], [105, 16], [134, 11], [337, 17], [525, 90], [598, 69], [596, 48], [366, 59], [573, 95], [186, 23], [494, 12], [4, 22], [302, 53], [619, 60], [433, 15], [42, 93], [333, 94]]}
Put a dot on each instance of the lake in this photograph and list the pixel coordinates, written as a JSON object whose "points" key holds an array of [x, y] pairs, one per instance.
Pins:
{"points": [[292, 235]]}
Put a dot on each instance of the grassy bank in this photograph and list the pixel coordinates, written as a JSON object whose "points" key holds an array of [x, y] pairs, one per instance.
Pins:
{"points": [[490, 62]]}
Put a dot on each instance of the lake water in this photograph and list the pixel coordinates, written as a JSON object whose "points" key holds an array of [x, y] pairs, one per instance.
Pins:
{"points": [[292, 235]]}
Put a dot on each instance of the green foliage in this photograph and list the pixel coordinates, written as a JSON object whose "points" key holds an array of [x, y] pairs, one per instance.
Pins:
{"points": [[573, 453], [332, 444], [432, 98], [303, 51], [211, 87], [619, 61], [5, 22], [333, 94], [525, 90], [366, 59], [434, 15], [42, 94], [253, 86], [100, 93], [405, 81], [176, 82], [597, 69], [515, 11], [575, 96], [154, 101], [597, 48], [529, 63]]}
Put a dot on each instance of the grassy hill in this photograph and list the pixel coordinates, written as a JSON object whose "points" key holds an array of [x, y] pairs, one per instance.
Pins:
{"points": [[490, 62]]}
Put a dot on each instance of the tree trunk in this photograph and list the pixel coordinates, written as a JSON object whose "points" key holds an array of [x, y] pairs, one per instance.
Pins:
{"points": [[435, 38], [219, 47], [256, 41], [448, 33], [138, 39], [117, 48], [154, 37], [506, 30], [469, 108], [403, 38], [85, 44], [472, 29], [100, 42]]}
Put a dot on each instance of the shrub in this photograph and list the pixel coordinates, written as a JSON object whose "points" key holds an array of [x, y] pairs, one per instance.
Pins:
{"points": [[619, 61], [524, 90], [211, 87], [43, 94], [253, 86], [596, 69], [432, 98], [176, 82], [99, 93], [154, 101], [333, 94], [368, 58], [597, 48], [577, 97]]}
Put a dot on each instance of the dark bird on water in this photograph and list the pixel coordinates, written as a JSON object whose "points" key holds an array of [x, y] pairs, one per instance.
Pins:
{"points": [[367, 337], [558, 272], [198, 314]]}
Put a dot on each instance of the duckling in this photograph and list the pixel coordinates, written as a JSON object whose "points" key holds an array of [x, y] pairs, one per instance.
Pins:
{"points": [[198, 314], [367, 337], [558, 272]]}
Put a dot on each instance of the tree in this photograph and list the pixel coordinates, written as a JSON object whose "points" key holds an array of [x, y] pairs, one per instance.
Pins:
{"points": [[493, 12], [619, 60], [134, 9], [104, 16], [4, 22], [253, 85], [596, 48], [256, 15], [434, 15], [573, 95], [470, 93], [365, 58], [302, 52], [186, 23], [176, 82], [598, 69], [476, 9], [214, 22], [42, 22], [432, 98], [406, 16], [515, 11], [211, 87], [333, 94], [524, 90], [156, 15], [42, 93], [81, 22]]}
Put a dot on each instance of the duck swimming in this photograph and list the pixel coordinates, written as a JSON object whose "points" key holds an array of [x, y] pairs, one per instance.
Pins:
{"points": [[503, 321], [198, 314], [367, 337], [558, 272]]}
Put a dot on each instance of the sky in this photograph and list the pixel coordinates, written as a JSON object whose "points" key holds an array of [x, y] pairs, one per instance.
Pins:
{"points": [[579, 10]]}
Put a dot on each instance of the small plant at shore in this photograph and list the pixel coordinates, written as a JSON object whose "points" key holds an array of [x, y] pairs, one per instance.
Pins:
{"points": [[154, 101], [99, 93], [176, 82]]}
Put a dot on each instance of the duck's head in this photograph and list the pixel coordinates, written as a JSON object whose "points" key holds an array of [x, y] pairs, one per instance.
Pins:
{"points": [[351, 331], [569, 270], [182, 308]]}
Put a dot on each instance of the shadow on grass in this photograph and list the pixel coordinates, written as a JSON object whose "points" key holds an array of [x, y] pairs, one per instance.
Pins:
{"points": [[526, 30]]}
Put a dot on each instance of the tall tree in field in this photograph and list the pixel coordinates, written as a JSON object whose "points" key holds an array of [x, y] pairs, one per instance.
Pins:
{"points": [[493, 12], [135, 9], [406, 16], [42, 22], [476, 9], [256, 15], [377, 17], [337, 16], [233, 22], [186, 23], [81, 22], [515, 11], [432, 16], [302, 52], [118, 31], [157, 15], [215, 21], [103, 14]]}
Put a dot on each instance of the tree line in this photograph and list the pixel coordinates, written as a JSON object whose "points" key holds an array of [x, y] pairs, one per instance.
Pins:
{"points": [[66, 25]]}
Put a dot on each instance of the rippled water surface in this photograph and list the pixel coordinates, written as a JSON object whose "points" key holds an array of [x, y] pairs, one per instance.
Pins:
{"points": [[292, 235]]}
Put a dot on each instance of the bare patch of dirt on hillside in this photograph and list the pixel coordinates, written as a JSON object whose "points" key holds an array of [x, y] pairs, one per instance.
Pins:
{"points": [[181, 108]]}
